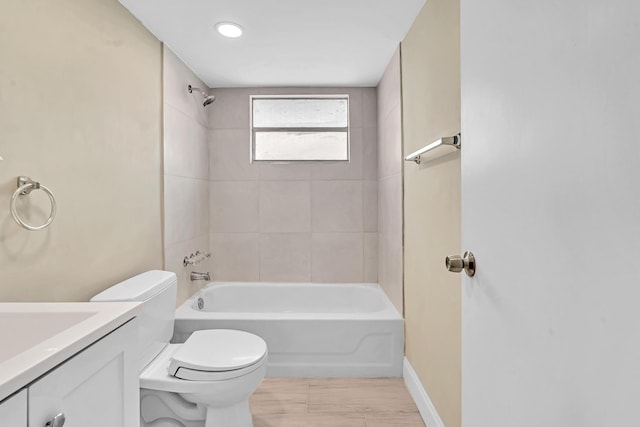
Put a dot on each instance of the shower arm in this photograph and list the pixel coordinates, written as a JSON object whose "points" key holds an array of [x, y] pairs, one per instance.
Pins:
{"points": [[208, 99], [192, 88]]}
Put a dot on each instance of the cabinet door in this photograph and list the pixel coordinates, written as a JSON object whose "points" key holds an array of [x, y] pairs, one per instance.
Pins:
{"points": [[98, 387], [13, 411]]}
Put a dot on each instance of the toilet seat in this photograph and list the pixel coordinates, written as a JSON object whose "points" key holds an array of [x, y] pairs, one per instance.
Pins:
{"points": [[207, 355], [155, 376]]}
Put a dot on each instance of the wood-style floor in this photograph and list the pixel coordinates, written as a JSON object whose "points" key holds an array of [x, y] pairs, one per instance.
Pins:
{"points": [[334, 402]]}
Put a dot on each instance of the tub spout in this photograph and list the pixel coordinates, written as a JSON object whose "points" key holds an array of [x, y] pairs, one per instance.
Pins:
{"points": [[199, 276]]}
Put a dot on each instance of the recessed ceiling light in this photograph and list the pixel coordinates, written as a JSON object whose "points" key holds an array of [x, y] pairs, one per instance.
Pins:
{"points": [[229, 29]]}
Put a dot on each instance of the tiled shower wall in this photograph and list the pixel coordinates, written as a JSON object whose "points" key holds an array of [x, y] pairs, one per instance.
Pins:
{"points": [[390, 271], [292, 222], [186, 173]]}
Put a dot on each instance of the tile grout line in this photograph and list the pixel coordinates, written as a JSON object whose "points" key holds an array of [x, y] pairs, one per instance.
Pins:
{"points": [[362, 144], [364, 263], [259, 231], [310, 248]]}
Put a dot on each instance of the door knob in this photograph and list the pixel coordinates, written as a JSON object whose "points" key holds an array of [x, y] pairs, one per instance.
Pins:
{"points": [[57, 421], [456, 263]]}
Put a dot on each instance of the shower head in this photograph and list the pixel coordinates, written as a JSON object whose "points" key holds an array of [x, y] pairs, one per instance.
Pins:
{"points": [[208, 99]]}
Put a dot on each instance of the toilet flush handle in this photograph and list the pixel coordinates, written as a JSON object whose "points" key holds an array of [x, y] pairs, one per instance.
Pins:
{"points": [[57, 421]]}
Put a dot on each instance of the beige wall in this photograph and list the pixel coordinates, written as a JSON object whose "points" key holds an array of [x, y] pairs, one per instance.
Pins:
{"points": [[186, 173], [390, 182], [292, 222], [80, 110], [431, 109]]}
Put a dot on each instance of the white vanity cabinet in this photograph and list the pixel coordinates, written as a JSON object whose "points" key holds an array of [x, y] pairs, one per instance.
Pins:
{"points": [[97, 387], [75, 359], [13, 410]]}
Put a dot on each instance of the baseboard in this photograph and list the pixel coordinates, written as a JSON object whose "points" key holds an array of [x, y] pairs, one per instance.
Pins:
{"points": [[419, 394]]}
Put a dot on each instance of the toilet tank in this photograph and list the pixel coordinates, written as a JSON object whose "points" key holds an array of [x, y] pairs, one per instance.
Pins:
{"points": [[156, 290]]}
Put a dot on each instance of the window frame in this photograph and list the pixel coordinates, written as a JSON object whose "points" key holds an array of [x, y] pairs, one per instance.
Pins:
{"points": [[252, 129]]}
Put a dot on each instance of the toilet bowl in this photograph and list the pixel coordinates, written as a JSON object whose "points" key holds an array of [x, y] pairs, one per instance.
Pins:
{"points": [[207, 380]]}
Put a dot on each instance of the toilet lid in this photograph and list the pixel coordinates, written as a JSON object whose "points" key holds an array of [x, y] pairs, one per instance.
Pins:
{"points": [[218, 350]]}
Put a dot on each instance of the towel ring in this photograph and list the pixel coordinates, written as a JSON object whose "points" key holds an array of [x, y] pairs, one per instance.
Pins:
{"points": [[25, 186]]}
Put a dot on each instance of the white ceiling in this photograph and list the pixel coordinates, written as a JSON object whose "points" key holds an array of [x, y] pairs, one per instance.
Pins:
{"points": [[285, 43]]}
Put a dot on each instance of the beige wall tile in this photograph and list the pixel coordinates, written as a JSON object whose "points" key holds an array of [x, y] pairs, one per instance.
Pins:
{"points": [[382, 264], [285, 206], [202, 207], [337, 257], [370, 257], [234, 206], [201, 152], [179, 158], [235, 256], [390, 220], [231, 109], [229, 153], [390, 204], [285, 257], [286, 191], [390, 275], [176, 78], [369, 107], [174, 256], [336, 206], [180, 208], [285, 171], [390, 143], [389, 89], [186, 155], [370, 213], [390, 242], [370, 152], [355, 105]]}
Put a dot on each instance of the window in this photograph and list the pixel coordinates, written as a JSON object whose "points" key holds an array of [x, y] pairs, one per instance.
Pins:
{"points": [[299, 128]]}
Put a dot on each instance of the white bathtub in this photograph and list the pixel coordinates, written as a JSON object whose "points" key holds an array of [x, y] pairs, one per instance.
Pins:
{"points": [[311, 330]]}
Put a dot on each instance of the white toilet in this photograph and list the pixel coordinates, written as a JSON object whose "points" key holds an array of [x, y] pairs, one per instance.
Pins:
{"points": [[207, 381]]}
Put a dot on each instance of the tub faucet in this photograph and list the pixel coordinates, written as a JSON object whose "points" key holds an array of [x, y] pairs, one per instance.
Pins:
{"points": [[199, 276]]}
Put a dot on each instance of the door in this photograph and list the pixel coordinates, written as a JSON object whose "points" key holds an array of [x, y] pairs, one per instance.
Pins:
{"points": [[551, 210], [98, 387]]}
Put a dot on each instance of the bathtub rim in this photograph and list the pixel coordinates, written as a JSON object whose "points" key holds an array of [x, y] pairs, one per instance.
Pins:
{"points": [[185, 311]]}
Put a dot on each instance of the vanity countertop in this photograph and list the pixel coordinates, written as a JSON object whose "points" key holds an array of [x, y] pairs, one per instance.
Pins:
{"points": [[36, 337]]}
